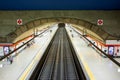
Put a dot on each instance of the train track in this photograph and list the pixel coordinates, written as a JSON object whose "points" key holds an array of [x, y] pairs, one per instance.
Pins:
{"points": [[59, 62]]}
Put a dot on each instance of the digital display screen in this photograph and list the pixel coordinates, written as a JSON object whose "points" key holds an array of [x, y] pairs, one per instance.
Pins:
{"points": [[6, 50], [111, 50]]}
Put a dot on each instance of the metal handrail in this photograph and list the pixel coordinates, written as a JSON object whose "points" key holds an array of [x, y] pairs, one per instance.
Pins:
{"points": [[116, 62]]}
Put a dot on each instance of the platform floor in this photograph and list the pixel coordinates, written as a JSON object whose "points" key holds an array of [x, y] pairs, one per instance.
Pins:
{"points": [[98, 68], [23, 60]]}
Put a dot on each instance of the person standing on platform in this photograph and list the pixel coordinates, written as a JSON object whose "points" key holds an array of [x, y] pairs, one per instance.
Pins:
{"points": [[11, 59]]}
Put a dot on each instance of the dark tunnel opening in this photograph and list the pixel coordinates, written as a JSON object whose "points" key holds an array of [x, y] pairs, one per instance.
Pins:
{"points": [[61, 25]]}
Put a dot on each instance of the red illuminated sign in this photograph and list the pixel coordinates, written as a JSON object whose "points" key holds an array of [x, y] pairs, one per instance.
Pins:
{"points": [[100, 22], [19, 21]]}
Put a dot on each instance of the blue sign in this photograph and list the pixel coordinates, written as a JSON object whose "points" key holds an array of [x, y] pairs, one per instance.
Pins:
{"points": [[6, 50], [111, 50]]}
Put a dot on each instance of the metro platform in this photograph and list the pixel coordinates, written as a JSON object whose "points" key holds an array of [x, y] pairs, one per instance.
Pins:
{"points": [[97, 67], [23, 62]]}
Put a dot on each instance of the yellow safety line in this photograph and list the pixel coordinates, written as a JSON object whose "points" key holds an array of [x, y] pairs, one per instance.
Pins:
{"points": [[90, 74], [31, 65], [24, 75], [27, 71]]}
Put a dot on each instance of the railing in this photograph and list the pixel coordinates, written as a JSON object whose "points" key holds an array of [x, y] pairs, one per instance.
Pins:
{"points": [[3, 57], [116, 62]]}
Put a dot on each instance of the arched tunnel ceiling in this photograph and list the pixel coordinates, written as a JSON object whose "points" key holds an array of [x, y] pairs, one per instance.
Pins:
{"points": [[32, 19], [35, 23]]}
